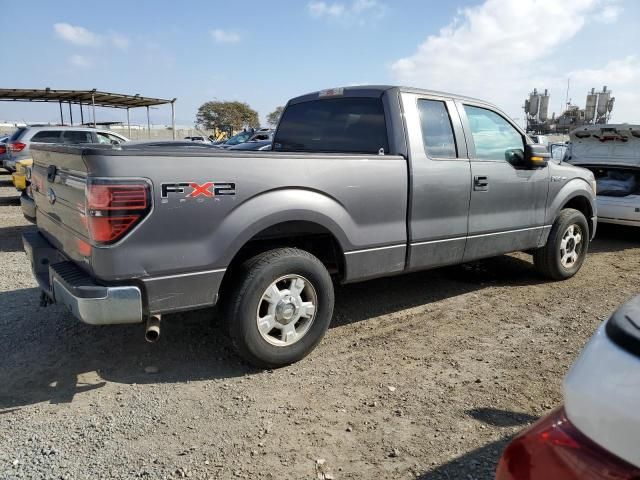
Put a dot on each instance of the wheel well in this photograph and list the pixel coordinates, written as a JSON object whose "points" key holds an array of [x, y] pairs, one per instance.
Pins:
{"points": [[583, 205], [304, 235]]}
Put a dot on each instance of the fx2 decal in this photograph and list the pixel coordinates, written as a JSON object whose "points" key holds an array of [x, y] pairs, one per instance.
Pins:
{"points": [[197, 190]]}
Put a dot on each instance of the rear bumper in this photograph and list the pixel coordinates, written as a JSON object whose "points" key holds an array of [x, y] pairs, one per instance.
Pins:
{"points": [[65, 283], [9, 165]]}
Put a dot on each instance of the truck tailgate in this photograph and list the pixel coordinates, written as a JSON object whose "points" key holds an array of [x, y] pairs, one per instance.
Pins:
{"points": [[58, 184]]}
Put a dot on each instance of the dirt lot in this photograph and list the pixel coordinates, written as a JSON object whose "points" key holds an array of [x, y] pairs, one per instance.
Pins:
{"points": [[422, 376]]}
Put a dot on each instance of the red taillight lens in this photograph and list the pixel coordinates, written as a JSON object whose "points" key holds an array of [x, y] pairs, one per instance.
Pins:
{"points": [[17, 146], [3, 149], [554, 449], [114, 208]]}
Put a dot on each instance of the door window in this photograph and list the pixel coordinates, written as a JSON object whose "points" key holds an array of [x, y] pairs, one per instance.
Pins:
{"points": [[77, 136], [107, 138], [494, 137], [437, 132]]}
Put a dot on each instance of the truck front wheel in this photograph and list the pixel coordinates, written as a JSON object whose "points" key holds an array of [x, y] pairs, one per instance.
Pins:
{"points": [[280, 307], [566, 247]]}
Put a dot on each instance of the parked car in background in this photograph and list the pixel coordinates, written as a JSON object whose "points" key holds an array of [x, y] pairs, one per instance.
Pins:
{"points": [[18, 144], [253, 145], [612, 153], [198, 138], [362, 182], [558, 150], [540, 139], [596, 435], [3, 149], [247, 136]]}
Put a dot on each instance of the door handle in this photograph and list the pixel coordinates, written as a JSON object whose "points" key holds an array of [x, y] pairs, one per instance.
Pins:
{"points": [[481, 183]]}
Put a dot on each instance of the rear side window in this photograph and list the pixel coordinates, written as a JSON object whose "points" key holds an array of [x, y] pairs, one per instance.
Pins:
{"points": [[74, 136], [47, 136], [437, 132], [337, 125]]}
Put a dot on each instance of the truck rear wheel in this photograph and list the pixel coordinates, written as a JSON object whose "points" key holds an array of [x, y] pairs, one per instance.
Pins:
{"points": [[280, 307], [566, 247]]}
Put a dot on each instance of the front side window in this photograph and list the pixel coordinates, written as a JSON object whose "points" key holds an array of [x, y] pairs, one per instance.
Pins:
{"points": [[47, 136], [107, 138], [494, 137], [336, 125], [77, 136], [437, 132]]}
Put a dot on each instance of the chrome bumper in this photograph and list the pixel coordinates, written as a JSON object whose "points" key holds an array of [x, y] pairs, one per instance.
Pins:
{"points": [[64, 282]]}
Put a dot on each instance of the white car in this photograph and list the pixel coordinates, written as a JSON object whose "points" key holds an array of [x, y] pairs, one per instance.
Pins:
{"points": [[597, 433], [612, 153]]}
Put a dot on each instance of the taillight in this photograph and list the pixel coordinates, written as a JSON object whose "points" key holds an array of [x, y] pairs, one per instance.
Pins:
{"points": [[554, 449], [17, 146], [3, 149], [114, 208]]}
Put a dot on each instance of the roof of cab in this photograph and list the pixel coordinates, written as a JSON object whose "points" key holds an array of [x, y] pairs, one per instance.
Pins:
{"points": [[375, 91]]}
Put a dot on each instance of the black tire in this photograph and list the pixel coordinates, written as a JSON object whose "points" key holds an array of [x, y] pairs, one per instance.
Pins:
{"points": [[246, 296], [548, 259]]}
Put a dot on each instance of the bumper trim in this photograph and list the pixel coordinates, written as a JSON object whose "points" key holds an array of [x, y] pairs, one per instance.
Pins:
{"points": [[65, 283], [94, 304]]}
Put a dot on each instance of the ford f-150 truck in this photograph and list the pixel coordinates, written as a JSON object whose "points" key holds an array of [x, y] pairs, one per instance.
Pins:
{"points": [[361, 182]]}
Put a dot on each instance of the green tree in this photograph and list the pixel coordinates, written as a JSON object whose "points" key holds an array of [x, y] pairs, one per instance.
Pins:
{"points": [[274, 117], [231, 115]]}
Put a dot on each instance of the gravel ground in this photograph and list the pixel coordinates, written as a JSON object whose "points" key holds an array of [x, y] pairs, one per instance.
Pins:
{"points": [[421, 376]]}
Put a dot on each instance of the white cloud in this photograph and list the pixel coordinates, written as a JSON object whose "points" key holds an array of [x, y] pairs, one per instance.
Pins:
{"points": [[77, 35], [83, 37], [321, 9], [358, 12], [225, 36], [499, 50], [119, 40], [80, 61], [609, 13]]}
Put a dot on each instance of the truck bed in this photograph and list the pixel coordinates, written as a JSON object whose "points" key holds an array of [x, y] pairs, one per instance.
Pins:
{"points": [[197, 236]]}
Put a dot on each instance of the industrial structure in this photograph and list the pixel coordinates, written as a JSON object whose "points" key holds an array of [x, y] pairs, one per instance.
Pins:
{"points": [[597, 111], [89, 99]]}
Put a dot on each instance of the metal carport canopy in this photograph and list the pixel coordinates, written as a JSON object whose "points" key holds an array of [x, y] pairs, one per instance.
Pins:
{"points": [[88, 97]]}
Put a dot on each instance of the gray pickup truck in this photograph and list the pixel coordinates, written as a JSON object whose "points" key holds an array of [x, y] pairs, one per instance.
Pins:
{"points": [[360, 183]]}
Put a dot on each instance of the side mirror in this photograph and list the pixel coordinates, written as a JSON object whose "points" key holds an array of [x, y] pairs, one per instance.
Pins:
{"points": [[535, 156]]}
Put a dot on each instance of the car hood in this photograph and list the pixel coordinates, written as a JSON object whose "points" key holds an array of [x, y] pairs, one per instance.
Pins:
{"points": [[617, 145]]}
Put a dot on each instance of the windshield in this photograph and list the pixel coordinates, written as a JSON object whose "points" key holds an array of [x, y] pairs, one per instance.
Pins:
{"points": [[239, 138]]}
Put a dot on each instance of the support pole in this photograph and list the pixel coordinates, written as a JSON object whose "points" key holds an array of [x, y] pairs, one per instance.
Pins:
{"points": [[61, 117], [148, 123], [129, 123], [173, 117], [70, 114], [81, 115], [93, 105]]}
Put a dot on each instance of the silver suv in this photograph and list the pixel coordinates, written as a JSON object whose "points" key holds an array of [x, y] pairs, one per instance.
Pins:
{"points": [[17, 147]]}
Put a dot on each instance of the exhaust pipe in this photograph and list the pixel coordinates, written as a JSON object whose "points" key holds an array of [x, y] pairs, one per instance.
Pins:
{"points": [[152, 330]]}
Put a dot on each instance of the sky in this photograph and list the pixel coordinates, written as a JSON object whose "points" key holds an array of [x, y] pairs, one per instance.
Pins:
{"points": [[264, 53]]}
